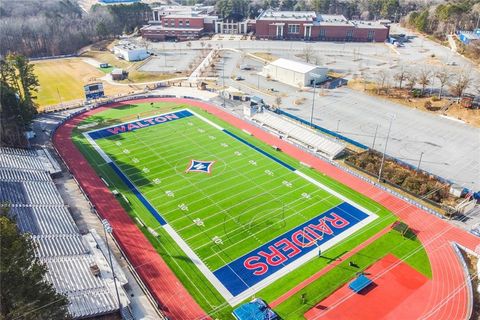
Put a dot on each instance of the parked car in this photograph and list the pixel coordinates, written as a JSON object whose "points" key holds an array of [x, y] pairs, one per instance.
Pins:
{"points": [[238, 78]]}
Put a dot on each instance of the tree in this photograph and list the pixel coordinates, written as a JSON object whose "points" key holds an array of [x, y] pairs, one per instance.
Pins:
{"points": [[382, 76], [444, 77], [287, 5], [424, 78], [460, 84], [25, 293], [411, 81], [307, 53], [401, 76], [278, 101], [17, 87]]}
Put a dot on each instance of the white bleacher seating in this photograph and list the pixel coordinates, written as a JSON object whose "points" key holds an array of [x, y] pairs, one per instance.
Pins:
{"points": [[321, 144], [37, 207]]}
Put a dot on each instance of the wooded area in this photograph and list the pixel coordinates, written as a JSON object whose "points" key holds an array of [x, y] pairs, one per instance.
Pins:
{"points": [[18, 85], [352, 9], [57, 27]]}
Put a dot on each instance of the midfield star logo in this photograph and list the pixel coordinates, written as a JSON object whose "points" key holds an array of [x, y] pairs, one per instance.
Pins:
{"points": [[200, 166]]}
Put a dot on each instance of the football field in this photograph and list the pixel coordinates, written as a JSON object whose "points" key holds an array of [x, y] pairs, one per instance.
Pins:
{"points": [[240, 213]]}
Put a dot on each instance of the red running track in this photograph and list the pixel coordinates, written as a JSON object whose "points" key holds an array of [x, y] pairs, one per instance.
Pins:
{"points": [[172, 298], [445, 297], [379, 300]]}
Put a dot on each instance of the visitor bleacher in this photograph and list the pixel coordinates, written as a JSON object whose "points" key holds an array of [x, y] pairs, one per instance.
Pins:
{"points": [[37, 207], [321, 144], [20, 159]]}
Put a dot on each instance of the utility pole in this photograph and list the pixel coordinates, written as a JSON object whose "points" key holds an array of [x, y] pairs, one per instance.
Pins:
{"points": [[385, 149], [108, 228], [420, 161], [375, 137]]}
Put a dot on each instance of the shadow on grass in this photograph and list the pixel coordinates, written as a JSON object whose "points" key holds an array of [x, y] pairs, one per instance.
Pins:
{"points": [[335, 258]]}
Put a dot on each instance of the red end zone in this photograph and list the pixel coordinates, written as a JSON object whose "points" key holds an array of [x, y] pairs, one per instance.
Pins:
{"points": [[379, 300]]}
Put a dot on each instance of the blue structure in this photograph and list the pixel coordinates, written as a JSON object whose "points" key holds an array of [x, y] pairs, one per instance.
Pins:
{"points": [[117, 1], [360, 283], [468, 36], [255, 310]]}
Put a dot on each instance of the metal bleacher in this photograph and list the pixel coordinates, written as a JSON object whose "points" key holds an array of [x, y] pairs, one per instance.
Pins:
{"points": [[37, 207], [20, 159], [320, 144]]}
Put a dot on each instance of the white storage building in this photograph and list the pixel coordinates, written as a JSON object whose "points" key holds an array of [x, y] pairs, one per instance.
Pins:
{"points": [[130, 52], [294, 73]]}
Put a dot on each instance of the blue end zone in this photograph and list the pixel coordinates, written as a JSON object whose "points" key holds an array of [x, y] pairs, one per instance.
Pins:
{"points": [[138, 194], [275, 255], [139, 124], [289, 167]]}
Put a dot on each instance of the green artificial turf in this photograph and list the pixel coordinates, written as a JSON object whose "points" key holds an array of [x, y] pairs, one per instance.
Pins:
{"points": [[238, 200]]}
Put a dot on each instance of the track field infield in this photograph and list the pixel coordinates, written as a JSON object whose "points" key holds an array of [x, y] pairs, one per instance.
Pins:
{"points": [[232, 216]]}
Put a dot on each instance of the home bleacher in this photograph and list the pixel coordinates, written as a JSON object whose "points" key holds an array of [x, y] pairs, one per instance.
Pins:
{"points": [[320, 144], [35, 203]]}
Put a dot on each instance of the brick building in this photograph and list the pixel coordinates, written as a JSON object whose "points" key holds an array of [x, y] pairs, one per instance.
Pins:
{"points": [[179, 23], [191, 22], [307, 25]]}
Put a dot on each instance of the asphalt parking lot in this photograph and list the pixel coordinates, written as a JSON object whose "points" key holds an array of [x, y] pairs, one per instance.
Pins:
{"points": [[451, 149]]}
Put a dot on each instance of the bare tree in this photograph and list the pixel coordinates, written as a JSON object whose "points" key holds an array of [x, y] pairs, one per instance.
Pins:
{"points": [[307, 53], [382, 76], [278, 101], [401, 76], [444, 77], [461, 83], [424, 78], [411, 81]]}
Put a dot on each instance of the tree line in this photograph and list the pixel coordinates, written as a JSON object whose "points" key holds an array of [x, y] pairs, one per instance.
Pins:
{"points": [[442, 19], [18, 85], [417, 80], [57, 27], [352, 9]]}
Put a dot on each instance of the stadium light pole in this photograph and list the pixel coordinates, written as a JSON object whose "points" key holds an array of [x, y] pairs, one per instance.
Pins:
{"points": [[315, 76], [223, 81], [107, 228], [392, 117]]}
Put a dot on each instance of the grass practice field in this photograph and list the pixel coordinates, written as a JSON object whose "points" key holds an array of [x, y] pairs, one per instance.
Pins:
{"points": [[229, 213], [62, 80]]}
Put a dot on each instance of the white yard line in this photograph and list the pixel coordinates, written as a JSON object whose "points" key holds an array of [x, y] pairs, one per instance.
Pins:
{"points": [[201, 264]]}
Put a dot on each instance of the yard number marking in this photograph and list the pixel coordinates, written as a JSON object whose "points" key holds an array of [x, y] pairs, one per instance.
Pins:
{"points": [[270, 173], [169, 193], [183, 207], [217, 240], [306, 195], [287, 183], [199, 222]]}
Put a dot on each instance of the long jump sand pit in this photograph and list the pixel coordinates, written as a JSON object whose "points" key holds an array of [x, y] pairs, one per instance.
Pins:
{"points": [[393, 282]]}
